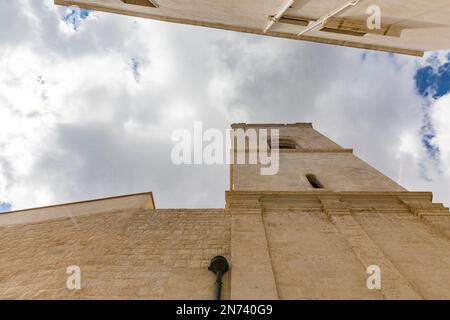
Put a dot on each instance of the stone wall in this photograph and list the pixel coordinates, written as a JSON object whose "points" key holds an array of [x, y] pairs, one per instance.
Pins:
{"points": [[132, 254], [305, 245], [317, 245]]}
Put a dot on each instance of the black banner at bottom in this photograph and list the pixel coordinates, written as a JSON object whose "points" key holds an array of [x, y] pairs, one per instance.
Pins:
{"points": [[224, 309]]}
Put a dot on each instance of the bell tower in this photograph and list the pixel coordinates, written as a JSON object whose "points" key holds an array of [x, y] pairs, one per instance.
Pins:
{"points": [[308, 161], [314, 228]]}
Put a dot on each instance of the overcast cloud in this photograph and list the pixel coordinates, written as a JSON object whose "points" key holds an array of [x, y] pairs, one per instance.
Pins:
{"points": [[88, 104]]}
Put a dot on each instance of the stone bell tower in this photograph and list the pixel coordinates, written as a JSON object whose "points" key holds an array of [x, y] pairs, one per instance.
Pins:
{"points": [[314, 229], [309, 161]]}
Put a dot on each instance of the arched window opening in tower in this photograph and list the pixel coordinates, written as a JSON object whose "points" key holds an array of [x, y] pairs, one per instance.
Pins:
{"points": [[284, 143], [315, 183]]}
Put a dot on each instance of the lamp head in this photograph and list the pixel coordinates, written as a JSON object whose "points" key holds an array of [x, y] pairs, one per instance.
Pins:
{"points": [[218, 263]]}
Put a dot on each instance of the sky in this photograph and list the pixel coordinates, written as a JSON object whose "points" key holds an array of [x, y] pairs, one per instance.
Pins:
{"points": [[88, 102]]}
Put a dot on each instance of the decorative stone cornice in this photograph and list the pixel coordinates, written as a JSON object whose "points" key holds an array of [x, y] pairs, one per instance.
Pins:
{"points": [[420, 208], [334, 203]]}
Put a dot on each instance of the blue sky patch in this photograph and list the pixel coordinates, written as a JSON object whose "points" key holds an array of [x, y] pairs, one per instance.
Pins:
{"points": [[364, 56], [428, 134], [84, 13], [5, 207], [135, 66], [433, 83], [75, 15]]}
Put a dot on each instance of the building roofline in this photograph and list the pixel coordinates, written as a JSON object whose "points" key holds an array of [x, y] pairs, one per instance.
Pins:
{"points": [[272, 125], [82, 202], [216, 25]]}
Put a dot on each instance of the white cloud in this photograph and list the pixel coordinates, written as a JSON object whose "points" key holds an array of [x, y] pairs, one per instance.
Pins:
{"points": [[440, 114], [75, 124]]}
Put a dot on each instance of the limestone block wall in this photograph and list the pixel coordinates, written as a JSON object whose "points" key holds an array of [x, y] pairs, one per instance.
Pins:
{"points": [[280, 245], [316, 245], [312, 259], [128, 254], [420, 252], [337, 171]]}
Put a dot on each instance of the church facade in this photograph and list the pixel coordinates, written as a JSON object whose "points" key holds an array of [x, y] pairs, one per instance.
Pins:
{"points": [[326, 226]]}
